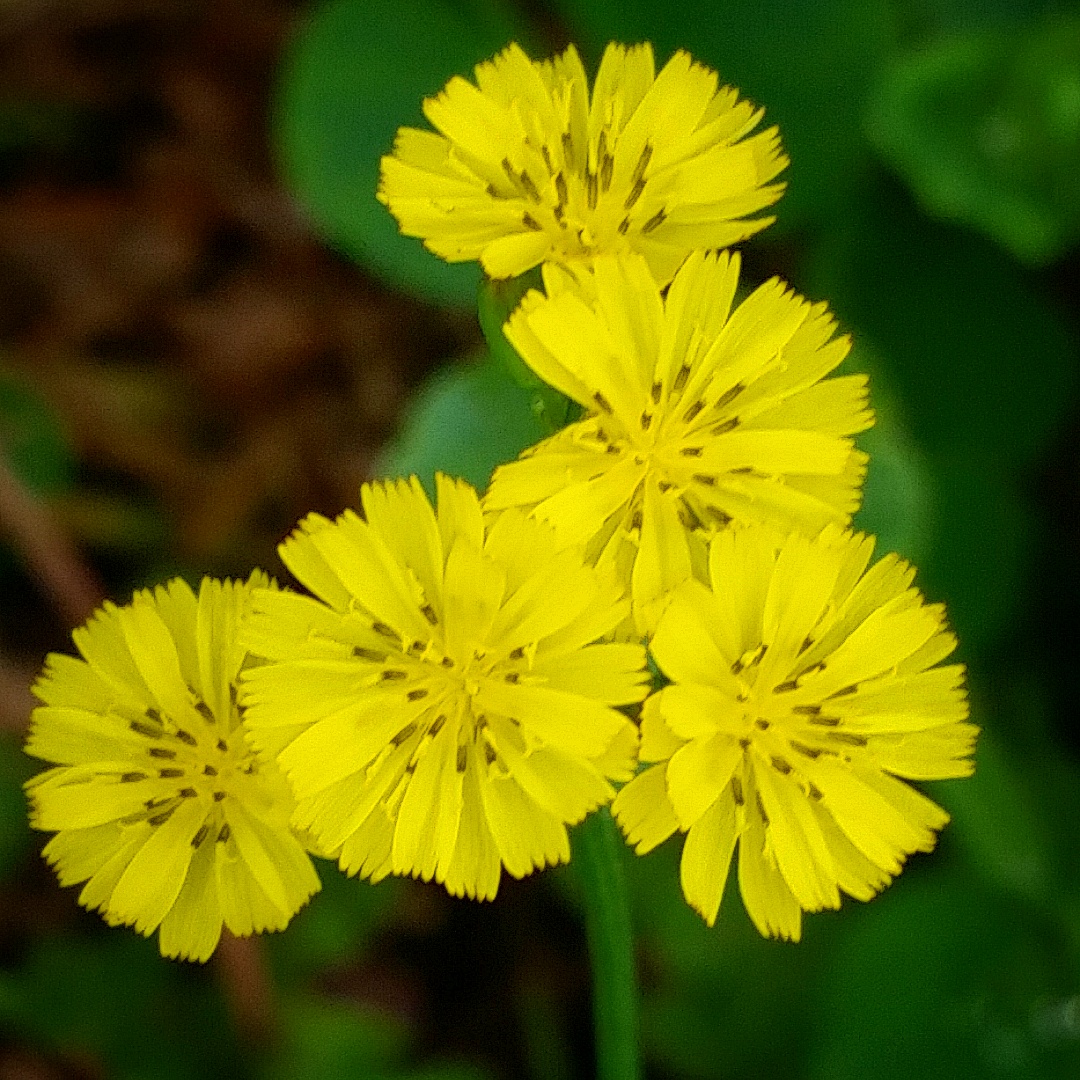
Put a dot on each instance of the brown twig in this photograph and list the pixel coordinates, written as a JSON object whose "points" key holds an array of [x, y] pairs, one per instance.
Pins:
{"points": [[48, 552]]}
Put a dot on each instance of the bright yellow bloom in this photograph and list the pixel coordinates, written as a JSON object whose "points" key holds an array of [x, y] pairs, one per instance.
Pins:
{"points": [[158, 803], [700, 416], [802, 688], [527, 170], [443, 712]]}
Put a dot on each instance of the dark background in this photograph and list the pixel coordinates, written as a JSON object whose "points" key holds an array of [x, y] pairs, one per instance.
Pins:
{"points": [[208, 327]]}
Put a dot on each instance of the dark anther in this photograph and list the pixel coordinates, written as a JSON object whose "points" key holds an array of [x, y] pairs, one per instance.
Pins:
{"points": [[186, 737], [636, 520], [200, 836], [744, 742], [812, 752], [531, 223], [160, 819], [624, 226], [737, 791], [742, 470], [846, 690], [233, 695], [170, 774], [144, 729], [825, 721], [513, 677], [529, 187], [429, 613], [784, 687], [657, 390], [607, 166], [223, 746], [446, 662], [161, 752], [568, 148], [437, 725], [489, 753], [814, 791], [654, 222], [640, 167], [205, 711], [635, 193], [209, 770], [693, 411], [593, 188], [384, 630], [462, 758], [726, 426], [603, 403], [373, 655], [705, 478], [224, 833], [692, 451], [219, 795], [761, 723], [417, 695], [680, 377], [780, 765], [560, 189], [131, 777], [807, 642], [187, 793], [718, 515], [154, 714], [392, 675], [728, 396], [848, 737], [404, 734], [664, 486], [646, 420], [518, 653], [761, 808], [806, 710]]}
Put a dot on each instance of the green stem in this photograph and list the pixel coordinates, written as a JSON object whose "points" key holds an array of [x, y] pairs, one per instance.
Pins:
{"points": [[597, 856]]}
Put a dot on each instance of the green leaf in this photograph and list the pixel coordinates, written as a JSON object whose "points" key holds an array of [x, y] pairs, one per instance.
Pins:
{"points": [[466, 421], [810, 65], [981, 363], [32, 438], [942, 978], [985, 127], [357, 72], [15, 837]]}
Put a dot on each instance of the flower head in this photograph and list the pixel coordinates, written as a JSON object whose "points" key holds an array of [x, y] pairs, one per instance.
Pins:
{"points": [[803, 686], [443, 712], [699, 416], [526, 169], [157, 802]]}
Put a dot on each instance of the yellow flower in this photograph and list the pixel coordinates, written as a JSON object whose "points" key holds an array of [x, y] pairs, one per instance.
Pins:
{"points": [[443, 712], [802, 687], [157, 802], [527, 170], [700, 416]]}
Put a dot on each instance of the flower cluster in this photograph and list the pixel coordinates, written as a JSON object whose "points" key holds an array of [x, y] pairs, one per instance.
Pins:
{"points": [[468, 679]]}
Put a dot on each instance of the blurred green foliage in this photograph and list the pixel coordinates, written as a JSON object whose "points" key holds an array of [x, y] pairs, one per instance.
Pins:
{"points": [[935, 165]]}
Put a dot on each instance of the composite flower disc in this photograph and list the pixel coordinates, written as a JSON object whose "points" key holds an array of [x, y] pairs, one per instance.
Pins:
{"points": [[526, 168], [700, 415], [157, 802], [445, 707], [804, 687]]}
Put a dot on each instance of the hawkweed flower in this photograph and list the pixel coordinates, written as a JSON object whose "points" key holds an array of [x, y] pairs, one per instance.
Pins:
{"points": [[700, 416], [803, 687], [526, 169], [442, 710], [157, 802]]}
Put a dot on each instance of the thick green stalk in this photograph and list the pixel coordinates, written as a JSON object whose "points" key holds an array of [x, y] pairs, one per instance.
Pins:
{"points": [[597, 859]]}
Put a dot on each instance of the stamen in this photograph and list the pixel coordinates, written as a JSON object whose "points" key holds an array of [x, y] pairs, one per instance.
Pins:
{"points": [[170, 774], [392, 675], [814, 791], [437, 725], [417, 695], [186, 737], [429, 613], [692, 451], [607, 167], [132, 777], [568, 148], [806, 710], [531, 223], [593, 189], [728, 396], [489, 753], [560, 189], [529, 186], [219, 795], [205, 712], [404, 734], [780, 765], [223, 746], [640, 167], [657, 389], [761, 723], [373, 655], [737, 791], [384, 630], [188, 793], [155, 715], [654, 222], [636, 521], [518, 653], [812, 752], [694, 409], [784, 687], [646, 420], [681, 377], [603, 403], [200, 836], [144, 729], [513, 677], [848, 737], [825, 721], [209, 770], [161, 752], [845, 691], [726, 426], [160, 819], [718, 515], [704, 478], [462, 758], [224, 833], [624, 226], [761, 808]]}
